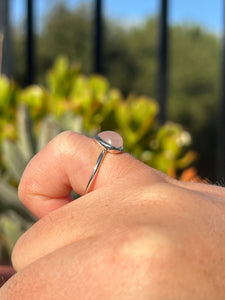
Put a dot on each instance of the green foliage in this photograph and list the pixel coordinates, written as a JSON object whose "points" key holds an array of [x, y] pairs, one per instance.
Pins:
{"points": [[130, 64], [91, 105], [8, 97], [85, 104]]}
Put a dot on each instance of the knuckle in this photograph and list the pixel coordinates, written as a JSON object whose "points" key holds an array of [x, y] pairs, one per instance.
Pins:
{"points": [[62, 140], [149, 253], [146, 244]]}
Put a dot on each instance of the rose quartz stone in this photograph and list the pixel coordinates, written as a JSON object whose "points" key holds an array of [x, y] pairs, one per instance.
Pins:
{"points": [[111, 138]]}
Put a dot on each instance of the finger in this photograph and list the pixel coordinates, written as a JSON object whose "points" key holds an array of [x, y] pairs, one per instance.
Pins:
{"points": [[67, 163], [88, 269]]}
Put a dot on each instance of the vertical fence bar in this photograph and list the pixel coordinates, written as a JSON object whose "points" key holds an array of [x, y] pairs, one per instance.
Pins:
{"points": [[1, 50], [98, 37], [163, 60], [30, 59], [7, 65], [220, 168]]}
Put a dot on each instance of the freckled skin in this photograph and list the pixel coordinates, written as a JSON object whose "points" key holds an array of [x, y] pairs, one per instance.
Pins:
{"points": [[137, 235]]}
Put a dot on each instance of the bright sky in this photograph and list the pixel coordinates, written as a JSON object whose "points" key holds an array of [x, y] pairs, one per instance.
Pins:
{"points": [[208, 13]]}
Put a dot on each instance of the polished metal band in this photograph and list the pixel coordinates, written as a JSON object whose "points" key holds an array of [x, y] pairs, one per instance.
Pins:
{"points": [[106, 148], [96, 168]]}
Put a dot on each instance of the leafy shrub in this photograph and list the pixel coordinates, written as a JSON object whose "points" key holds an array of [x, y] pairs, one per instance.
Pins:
{"points": [[69, 94]]}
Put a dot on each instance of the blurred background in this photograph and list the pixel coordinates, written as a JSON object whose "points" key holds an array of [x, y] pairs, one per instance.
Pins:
{"points": [[152, 70], [130, 54]]}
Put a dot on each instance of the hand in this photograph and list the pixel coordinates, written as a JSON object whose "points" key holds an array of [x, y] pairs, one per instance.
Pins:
{"points": [[138, 235]]}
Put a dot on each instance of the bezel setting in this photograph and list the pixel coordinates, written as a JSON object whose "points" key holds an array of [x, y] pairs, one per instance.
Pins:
{"points": [[108, 146]]}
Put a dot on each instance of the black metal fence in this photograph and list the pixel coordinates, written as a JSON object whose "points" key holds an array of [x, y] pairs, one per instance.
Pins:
{"points": [[98, 42]]}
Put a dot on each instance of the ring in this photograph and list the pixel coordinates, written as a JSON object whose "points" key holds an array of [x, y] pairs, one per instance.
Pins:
{"points": [[109, 141]]}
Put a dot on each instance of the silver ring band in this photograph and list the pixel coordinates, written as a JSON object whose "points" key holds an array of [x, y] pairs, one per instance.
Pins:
{"points": [[107, 146]]}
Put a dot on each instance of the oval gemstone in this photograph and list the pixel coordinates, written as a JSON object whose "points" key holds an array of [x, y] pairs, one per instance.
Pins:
{"points": [[112, 138]]}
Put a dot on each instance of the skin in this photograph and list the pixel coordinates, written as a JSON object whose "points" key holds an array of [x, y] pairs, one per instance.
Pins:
{"points": [[137, 235]]}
